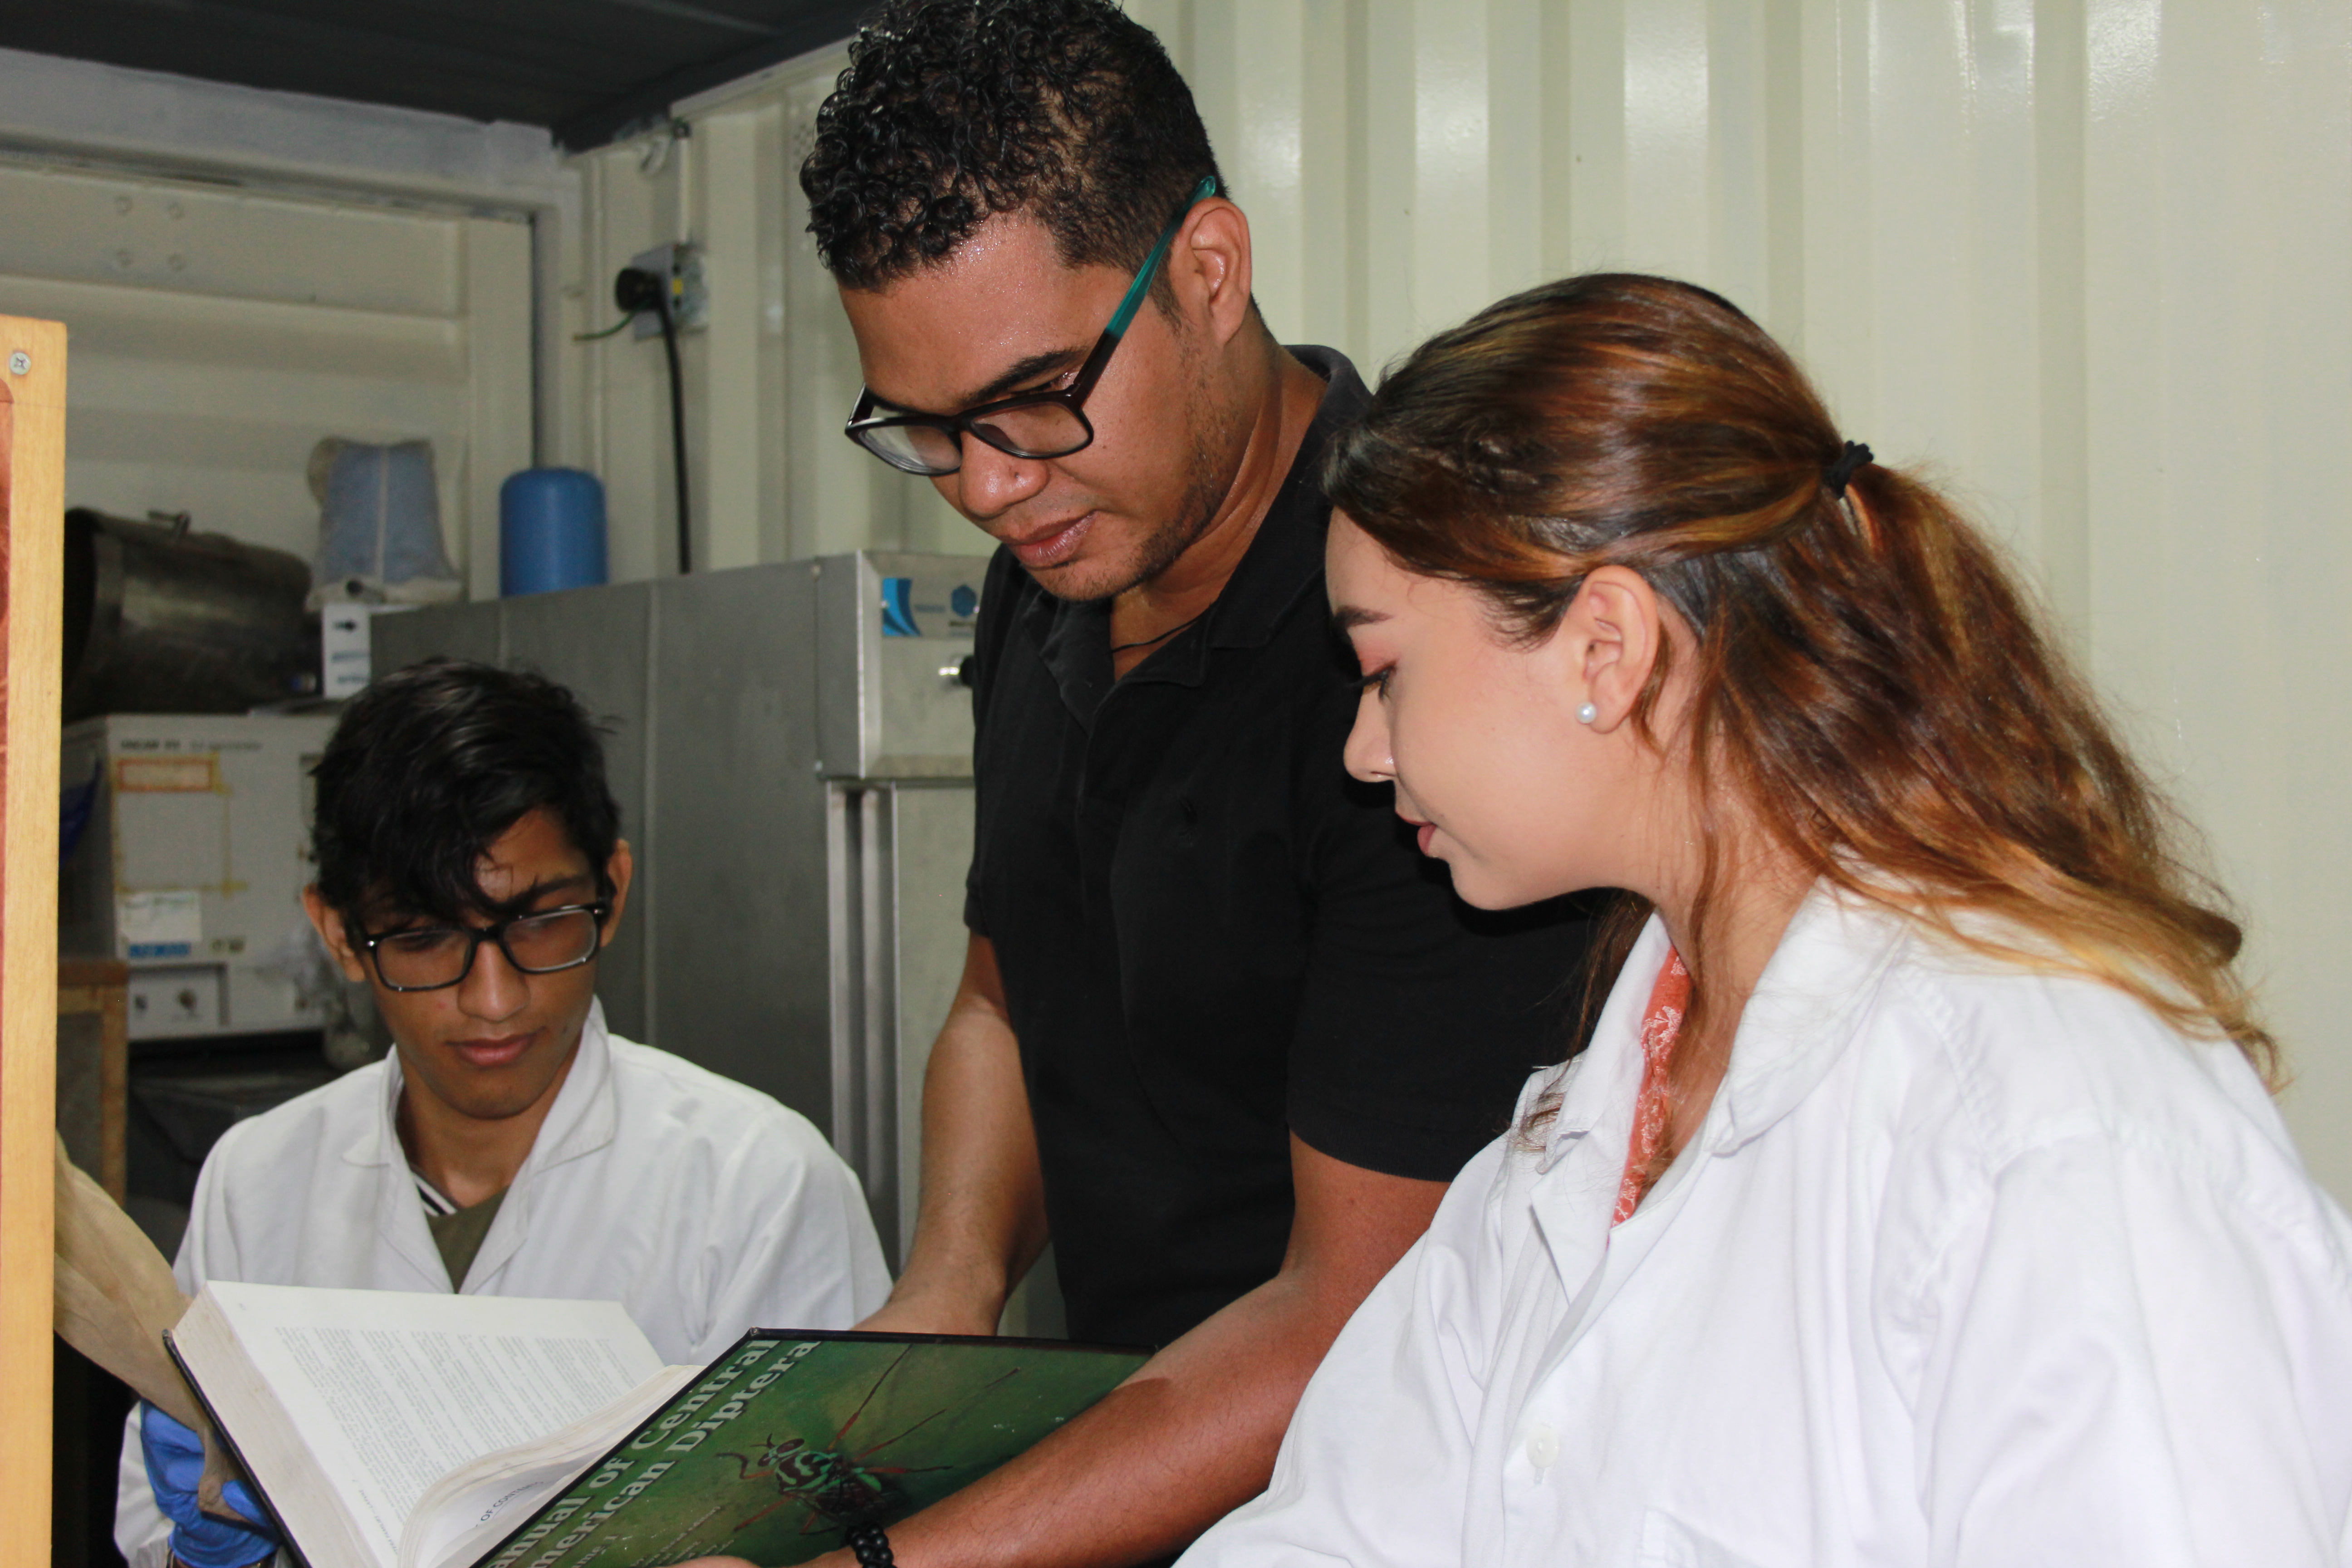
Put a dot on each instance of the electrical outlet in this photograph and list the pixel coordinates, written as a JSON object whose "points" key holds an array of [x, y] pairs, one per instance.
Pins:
{"points": [[690, 299]]}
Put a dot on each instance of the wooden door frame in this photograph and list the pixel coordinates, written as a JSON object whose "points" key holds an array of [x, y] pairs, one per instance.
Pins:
{"points": [[32, 590]]}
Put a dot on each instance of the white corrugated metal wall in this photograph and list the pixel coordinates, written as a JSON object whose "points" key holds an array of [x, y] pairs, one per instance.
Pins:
{"points": [[244, 272], [217, 335], [2091, 260]]}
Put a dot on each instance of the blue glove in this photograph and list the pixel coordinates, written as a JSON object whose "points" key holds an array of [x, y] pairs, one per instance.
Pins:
{"points": [[175, 1462]]}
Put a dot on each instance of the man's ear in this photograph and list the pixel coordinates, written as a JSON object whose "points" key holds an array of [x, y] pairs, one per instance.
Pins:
{"points": [[1617, 620], [329, 926], [1210, 267], [618, 869]]}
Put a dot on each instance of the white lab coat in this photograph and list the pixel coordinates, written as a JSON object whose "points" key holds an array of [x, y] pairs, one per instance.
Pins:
{"points": [[1964, 1266], [703, 1206]]}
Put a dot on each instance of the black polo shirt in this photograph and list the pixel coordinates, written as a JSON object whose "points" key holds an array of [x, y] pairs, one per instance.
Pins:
{"points": [[1211, 937]]}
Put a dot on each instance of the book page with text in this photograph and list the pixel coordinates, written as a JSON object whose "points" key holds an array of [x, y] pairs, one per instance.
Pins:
{"points": [[473, 1507], [390, 1389]]}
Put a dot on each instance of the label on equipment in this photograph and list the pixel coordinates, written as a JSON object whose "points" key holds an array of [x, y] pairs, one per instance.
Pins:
{"points": [[343, 651], [159, 925], [898, 608], [168, 775]]}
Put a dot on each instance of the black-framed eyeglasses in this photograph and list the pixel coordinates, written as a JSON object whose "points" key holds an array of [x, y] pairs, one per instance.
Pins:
{"points": [[430, 958], [1033, 425]]}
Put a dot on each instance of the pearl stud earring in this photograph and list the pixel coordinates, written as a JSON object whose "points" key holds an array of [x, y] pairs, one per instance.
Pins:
{"points": [[1587, 714]]}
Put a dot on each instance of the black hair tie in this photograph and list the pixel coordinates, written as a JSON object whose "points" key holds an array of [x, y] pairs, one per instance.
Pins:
{"points": [[1854, 456], [873, 1547]]}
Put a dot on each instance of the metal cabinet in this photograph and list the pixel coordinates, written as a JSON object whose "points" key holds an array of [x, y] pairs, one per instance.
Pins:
{"points": [[791, 749]]}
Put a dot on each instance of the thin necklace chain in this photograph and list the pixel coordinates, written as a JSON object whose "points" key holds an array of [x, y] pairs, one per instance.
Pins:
{"points": [[1163, 637]]}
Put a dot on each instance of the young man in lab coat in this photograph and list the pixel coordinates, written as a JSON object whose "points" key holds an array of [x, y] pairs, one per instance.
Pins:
{"points": [[471, 870]]}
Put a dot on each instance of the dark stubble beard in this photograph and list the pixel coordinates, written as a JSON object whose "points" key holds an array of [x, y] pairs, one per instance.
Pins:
{"points": [[1207, 481]]}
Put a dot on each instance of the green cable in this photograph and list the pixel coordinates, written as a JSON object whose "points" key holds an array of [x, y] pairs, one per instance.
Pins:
{"points": [[608, 331]]}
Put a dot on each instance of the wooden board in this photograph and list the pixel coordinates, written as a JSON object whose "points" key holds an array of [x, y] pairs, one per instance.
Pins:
{"points": [[94, 1068], [32, 524]]}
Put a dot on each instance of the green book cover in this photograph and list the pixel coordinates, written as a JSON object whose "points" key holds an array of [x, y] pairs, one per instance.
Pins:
{"points": [[792, 1437]]}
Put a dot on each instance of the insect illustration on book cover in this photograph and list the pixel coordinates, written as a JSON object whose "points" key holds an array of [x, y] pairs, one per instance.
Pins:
{"points": [[779, 1449], [838, 1488]]}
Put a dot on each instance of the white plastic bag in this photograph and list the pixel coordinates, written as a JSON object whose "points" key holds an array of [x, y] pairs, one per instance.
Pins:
{"points": [[379, 525]]}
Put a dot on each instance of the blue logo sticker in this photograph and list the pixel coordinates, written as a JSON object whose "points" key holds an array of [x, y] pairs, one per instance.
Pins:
{"points": [[963, 602], [897, 608]]}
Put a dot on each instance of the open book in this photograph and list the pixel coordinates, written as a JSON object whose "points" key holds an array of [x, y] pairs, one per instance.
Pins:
{"points": [[389, 1430]]}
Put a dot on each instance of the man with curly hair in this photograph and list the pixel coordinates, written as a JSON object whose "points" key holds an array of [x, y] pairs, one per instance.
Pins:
{"points": [[1222, 1036]]}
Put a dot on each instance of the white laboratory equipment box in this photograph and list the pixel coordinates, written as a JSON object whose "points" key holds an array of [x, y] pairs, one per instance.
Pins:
{"points": [[186, 847]]}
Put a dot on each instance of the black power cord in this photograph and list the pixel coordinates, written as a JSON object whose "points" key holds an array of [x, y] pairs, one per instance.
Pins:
{"points": [[634, 290]]}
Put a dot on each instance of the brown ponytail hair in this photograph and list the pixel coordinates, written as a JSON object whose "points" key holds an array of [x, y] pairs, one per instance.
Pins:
{"points": [[1870, 683]]}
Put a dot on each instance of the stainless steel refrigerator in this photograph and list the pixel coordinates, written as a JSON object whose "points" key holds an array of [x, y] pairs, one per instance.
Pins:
{"points": [[791, 749]]}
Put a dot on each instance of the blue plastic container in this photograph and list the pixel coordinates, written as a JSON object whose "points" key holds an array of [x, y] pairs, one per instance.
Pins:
{"points": [[550, 531]]}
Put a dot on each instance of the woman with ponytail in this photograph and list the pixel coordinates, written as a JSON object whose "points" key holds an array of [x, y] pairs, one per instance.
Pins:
{"points": [[1920, 1199]]}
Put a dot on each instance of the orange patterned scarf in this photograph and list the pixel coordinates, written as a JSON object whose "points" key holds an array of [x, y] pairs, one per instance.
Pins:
{"points": [[1669, 1001]]}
